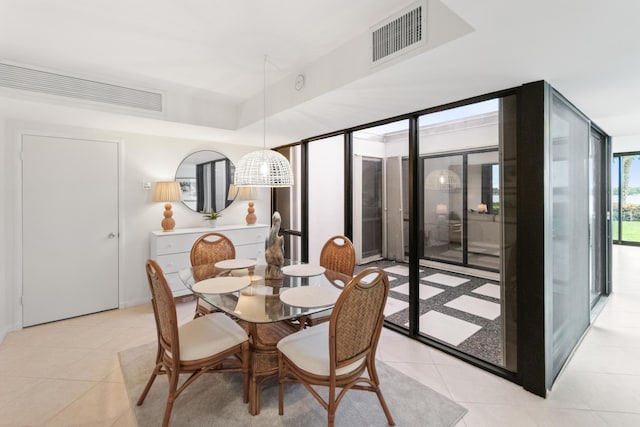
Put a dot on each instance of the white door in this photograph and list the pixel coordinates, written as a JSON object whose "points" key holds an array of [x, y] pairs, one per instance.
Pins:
{"points": [[69, 228]]}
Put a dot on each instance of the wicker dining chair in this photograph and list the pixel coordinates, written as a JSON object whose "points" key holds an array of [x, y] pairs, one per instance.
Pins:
{"points": [[213, 343], [337, 354], [337, 254], [205, 252]]}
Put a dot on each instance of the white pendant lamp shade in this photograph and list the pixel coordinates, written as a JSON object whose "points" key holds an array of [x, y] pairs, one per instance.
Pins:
{"points": [[442, 179], [263, 168]]}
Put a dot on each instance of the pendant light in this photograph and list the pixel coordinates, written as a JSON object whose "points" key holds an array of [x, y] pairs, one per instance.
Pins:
{"points": [[263, 168], [442, 179]]}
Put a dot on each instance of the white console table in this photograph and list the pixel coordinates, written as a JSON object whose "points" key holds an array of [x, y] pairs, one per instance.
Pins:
{"points": [[171, 249]]}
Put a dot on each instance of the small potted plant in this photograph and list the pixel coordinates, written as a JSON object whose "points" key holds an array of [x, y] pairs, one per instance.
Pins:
{"points": [[211, 217]]}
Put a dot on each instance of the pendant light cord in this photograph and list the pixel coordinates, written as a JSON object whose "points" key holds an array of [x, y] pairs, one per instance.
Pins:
{"points": [[264, 104]]}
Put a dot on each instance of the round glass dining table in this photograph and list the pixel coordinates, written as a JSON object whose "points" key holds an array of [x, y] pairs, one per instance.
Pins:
{"points": [[307, 290], [268, 309]]}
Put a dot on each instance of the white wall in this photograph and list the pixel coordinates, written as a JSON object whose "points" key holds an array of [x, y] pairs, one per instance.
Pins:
{"points": [[6, 311], [624, 144], [143, 158], [326, 193]]}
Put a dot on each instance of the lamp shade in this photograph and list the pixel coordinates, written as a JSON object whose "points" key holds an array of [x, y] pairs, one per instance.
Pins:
{"points": [[263, 168], [248, 193], [442, 179], [167, 191], [242, 193]]}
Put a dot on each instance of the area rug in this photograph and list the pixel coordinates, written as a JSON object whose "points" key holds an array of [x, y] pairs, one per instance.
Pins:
{"points": [[216, 400]]}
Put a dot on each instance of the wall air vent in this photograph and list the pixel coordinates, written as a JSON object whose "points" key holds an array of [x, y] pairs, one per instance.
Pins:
{"points": [[28, 79], [398, 33]]}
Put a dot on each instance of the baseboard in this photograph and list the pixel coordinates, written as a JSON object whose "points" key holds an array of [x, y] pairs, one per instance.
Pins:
{"points": [[134, 302]]}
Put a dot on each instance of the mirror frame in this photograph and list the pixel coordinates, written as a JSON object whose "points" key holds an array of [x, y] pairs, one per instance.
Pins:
{"points": [[193, 170]]}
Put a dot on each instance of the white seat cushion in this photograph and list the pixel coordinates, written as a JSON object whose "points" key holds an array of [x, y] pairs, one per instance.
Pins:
{"points": [[309, 350], [209, 335]]}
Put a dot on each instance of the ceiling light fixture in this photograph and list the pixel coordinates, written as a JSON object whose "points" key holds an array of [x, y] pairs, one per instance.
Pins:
{"points": [[263, 168], [442, 179]]}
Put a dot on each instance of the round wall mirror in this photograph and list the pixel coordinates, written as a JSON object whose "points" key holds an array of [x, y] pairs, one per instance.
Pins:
{"points": [[204, 177]]}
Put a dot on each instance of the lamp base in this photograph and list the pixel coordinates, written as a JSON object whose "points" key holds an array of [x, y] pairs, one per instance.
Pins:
{"points": [[251, 216], [168, 223]]}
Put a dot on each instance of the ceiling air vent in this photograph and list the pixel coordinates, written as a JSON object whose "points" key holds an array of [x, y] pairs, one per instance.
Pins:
{"points": [[399, 32], [22, 78]]}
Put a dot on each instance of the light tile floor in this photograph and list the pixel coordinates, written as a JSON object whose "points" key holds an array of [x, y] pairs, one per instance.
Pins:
{"points": [[488, 290], [487, 309], [67, 373], [446, 328], [444, 279]]}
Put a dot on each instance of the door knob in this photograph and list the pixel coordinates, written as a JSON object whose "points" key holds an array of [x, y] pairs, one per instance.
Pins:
{"points": [[111, 236]]}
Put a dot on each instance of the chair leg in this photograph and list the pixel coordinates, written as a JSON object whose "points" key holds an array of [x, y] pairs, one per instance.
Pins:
{"points": [[373, 375], [154, 374], [245, 369], [331, 407], [174, 377], [281, 376], [384, 407], [167, 412]]}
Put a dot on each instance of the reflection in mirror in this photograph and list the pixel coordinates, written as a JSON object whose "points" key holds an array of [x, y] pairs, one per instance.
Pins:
{"points": [[204, 178]]}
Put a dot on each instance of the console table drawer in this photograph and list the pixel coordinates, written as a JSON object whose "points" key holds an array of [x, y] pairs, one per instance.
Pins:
{"points": [[174, 262], [248, 236], [176, 243], [172, 249]]}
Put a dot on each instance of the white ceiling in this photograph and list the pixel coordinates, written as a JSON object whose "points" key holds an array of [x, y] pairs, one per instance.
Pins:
{"points": [[213, 50]]}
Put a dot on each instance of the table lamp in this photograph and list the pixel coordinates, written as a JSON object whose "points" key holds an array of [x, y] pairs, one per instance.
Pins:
{"points": [[167, 192], [245, 193], [441, 209]]}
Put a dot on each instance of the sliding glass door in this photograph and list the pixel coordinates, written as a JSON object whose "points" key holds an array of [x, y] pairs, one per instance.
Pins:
{"points": [[567, 248]]}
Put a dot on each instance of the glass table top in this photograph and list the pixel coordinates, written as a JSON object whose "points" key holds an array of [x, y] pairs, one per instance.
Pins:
{"points": [[259, 301]]}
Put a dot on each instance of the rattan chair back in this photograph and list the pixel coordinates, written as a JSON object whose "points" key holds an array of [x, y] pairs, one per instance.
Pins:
{"points": [[211, 248], [357, 318], [205, 252], [164, 310], [338, 254]]}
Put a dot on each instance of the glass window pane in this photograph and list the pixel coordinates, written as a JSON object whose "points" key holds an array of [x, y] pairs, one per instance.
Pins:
{"points": [[443, 208], [567, 242], [630, 198], [484, 231], [462, 212]]}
